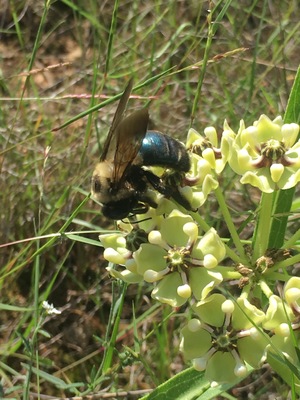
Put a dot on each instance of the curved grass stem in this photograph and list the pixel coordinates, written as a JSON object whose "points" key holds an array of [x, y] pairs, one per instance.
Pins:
{"points": [[230, 225]]}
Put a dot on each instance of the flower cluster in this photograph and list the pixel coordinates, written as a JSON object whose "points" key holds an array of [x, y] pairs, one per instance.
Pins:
{"points": [[244, 300], [267, 154], [224, 337], [175, 257]]}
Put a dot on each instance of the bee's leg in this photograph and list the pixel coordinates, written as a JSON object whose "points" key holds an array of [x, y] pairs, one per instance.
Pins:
{"points": [[180, 199], [149, 201], [173, 180], [169, 187], [157, 183]]}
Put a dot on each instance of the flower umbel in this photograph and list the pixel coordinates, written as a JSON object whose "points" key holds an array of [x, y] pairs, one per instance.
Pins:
{"points": [[180, 262], [208, 159], [215, 152], [267, 154], [222, 342]]}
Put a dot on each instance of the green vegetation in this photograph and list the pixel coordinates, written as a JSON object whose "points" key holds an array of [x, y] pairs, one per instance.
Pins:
{"points": [[63, 67]]}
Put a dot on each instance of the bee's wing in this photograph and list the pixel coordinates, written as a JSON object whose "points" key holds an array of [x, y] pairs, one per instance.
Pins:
{"points": [[111, 140], [124, 137], [130, 134]]}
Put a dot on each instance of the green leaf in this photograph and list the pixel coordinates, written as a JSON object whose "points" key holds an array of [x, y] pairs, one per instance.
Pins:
{"points": [[187, 385], [59, 383], [44, 333], [281, 209], [83, 239], [292, 113], [9, 307], [284, 198], [287, 370]]}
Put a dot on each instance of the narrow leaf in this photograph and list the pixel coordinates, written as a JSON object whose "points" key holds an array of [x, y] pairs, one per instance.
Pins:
{"points": [[284, 198], [188, 385]]}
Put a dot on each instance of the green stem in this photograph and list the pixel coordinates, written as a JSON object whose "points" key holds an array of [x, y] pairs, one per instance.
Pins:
{"points": [[235, 257], [201, 222], [265, 288], [111, 36], [228, 273], [214, 18], [263, 226], [115, 319], [230, 225], [288, 262], [203, 69], [292, 240], [50, 242], [277, 276]]}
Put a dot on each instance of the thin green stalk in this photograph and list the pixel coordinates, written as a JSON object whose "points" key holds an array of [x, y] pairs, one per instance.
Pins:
{"points": [[256, 49], [17, 24], [111, 337], [265, 288], [117, 311], [263, 226], [37, 41], [201, 222], [212, 29], [228, 273], [37, 375], [288, 262], [292, 240], [33, 340], [234, 257], [97, 107], [36, 286], [50, 242], [230, 225], [90, 117], [203, 69], [111, 36]]}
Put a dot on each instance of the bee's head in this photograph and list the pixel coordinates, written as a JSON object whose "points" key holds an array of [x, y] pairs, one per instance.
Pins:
{"points": [[102, 182], [119, 209], [119, 198]]}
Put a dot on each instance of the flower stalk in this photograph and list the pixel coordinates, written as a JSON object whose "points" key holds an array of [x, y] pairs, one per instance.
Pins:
{"points": [[263, 226]]}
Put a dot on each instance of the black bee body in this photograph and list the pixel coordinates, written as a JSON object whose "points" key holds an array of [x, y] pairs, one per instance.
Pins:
{"points": [[158, 149], [120, 181]]}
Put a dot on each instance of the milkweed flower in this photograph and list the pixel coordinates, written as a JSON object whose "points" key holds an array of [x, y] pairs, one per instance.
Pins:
{"points": [[216, 152], [267, 154], [180, 262], [116, 252], [119, 246], [224, 337], [175, 258], [283, 316], [208, 158]]}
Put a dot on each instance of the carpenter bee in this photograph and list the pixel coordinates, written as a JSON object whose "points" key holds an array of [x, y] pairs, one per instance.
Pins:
{"points": [[120, 182]]}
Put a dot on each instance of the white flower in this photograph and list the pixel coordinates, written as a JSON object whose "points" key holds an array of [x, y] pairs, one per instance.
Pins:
{"points": [[50, 309]]}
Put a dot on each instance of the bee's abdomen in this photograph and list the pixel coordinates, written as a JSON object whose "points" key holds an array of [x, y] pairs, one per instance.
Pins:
{"points": [[158, 149]]}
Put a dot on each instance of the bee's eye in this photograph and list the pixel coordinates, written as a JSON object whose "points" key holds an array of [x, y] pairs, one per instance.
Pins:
{"points": [[96, 184]]}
